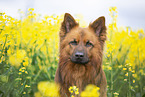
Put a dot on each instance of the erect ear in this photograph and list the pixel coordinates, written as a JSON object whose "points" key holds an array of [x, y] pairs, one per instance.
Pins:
{"points": [[99, 26], [68, 23]]}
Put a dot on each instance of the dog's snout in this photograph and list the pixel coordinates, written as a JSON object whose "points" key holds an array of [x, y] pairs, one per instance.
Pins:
{"points": [[79, 57], [79, 54]]}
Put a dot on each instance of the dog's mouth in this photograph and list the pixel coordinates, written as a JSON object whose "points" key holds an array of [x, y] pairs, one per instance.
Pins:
{"points": [[79, 60]]}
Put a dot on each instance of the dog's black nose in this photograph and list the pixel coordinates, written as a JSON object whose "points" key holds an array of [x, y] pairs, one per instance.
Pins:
{"points": [[79, 55]]}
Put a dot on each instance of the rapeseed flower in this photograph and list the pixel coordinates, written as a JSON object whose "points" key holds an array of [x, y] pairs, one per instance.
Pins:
{"points": [[74, 90], [133, 81], [126, 74], [17, 58], [37, 94], [124, 68], [91, 91], [48, 89]]}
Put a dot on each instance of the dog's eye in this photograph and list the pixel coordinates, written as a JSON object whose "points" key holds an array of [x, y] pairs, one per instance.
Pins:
{"points": [[88, 44], [73, 42]]}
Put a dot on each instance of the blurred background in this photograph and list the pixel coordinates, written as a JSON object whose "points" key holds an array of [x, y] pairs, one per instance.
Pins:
{"points": [[131, 12]]}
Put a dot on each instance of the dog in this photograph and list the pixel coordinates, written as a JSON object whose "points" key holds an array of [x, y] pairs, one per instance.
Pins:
{"points": [[81, 52]]}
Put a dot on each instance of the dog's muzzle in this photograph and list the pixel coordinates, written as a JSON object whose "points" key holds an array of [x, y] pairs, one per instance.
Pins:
{"points": [[79, 58]]}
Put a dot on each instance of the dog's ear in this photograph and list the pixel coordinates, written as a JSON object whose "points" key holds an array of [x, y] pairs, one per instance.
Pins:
{"points": [[68, 23], [99, 27]]}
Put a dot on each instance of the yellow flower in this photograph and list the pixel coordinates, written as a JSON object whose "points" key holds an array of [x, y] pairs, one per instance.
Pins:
{"points": [[71, 89], [9, 52], [133, 71], [77, 91], [74, 88], [26, 61], [23, 70], [48, 89], [108, 55], [14, 61], [26, 86], [31, 9], [126, 74], [26, 72], [17, 58], [37, 94], [109, 68], [130, 64], [124, 68], [24, 92], [91, 91], [21, 54], [130, 69], [20, 69], [133, 81]]}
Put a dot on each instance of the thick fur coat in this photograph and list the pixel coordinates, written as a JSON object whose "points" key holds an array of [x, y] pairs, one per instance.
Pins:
{"points": [[87, 69]]}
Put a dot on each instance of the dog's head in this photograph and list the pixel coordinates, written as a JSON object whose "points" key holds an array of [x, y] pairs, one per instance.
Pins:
{"points": [[81, 44]]}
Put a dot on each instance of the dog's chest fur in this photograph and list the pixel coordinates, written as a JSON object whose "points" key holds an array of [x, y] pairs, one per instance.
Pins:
{"points": [[79, 75]]}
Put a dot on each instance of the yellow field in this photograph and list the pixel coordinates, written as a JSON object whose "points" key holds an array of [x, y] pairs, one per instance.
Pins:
{"points": [[29, 50]]}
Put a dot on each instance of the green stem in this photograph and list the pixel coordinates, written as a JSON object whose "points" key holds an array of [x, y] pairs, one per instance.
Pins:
{"points": [[37, 74], [140, 82], [111, 77], [129, 85]]}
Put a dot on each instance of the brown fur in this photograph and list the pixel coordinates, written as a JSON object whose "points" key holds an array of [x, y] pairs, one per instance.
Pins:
{"points": [[80, 75]]}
